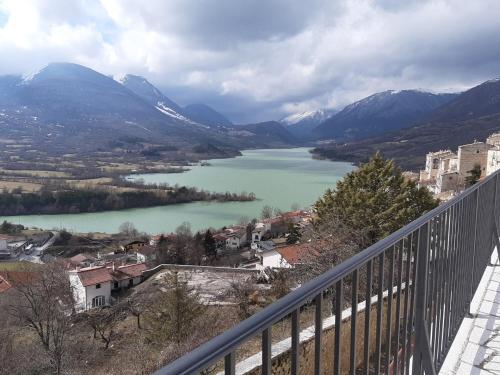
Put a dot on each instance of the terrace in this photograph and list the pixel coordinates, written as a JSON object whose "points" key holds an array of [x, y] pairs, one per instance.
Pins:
{"points": [[423, 300]]}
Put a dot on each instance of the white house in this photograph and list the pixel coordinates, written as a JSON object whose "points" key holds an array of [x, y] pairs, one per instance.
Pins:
{"points": [[91, 287], [260, 230], [235, 239], [285, 256]]}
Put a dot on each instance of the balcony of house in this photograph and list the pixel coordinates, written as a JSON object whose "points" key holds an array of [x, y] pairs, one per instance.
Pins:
{"points": [[424, 300]]}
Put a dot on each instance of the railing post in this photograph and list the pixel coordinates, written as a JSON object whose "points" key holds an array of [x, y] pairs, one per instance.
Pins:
{"points": [[422, 357], [472, 284], [495, 223]]}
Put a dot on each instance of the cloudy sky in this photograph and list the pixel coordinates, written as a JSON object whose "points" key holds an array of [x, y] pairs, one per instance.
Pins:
{"points": [[255, 60]]}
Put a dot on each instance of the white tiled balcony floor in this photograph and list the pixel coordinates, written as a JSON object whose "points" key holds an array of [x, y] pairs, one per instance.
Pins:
{"points": [[476, 348]]}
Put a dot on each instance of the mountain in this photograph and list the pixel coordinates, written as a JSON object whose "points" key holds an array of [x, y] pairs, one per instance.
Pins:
{"points": [[269, 133], [70, 109], [379, 113], [143, 88], [82, 107], [474, 114], [206, 115], [301, 124]]}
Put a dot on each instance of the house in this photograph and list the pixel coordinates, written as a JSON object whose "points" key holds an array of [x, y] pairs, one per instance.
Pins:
{"points": [[132, 245], [471, 155], [220, 240], [91, 287], [126, 276], [82, 260], [259, 231], [236, 238], [146, 254], [286, 256]]}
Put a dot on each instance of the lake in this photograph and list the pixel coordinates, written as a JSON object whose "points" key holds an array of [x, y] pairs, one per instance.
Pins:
{"points": [[279, 178]]}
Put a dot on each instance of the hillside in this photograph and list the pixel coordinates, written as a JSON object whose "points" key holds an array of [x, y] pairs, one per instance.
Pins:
{"points": [[380, 113], [271, 133], [474, 114], [205, 115], [68, 108]]}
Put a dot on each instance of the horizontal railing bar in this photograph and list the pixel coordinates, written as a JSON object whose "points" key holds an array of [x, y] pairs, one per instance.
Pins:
{"points": [[218, 347]]}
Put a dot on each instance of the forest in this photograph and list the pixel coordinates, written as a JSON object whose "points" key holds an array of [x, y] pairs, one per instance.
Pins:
{"points": [[95, 200]]}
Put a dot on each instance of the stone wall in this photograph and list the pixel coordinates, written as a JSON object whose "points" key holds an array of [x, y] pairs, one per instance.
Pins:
{"points": [[148, 273]]}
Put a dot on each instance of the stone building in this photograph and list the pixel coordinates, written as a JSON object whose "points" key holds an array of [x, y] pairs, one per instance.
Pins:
{"points": [[471, 155], [447, 172]]}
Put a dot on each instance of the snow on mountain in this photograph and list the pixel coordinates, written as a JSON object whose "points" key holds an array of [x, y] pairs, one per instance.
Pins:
{"points": [[316, 116], [381, 112]]}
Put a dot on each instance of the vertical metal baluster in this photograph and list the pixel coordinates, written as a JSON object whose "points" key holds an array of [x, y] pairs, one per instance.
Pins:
{"points": [[474, 265], [388, 340], [413, 297], [266, 351], [439, 287], [295, 341], [449, 276], [445, 313], [422, 358], [380, 302], [398, 304], [318, 333], [230, 364], [338, 325], [354, 318], [405, 341], [368, 309]]}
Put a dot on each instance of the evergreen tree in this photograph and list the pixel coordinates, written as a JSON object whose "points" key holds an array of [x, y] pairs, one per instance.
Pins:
{"points": [[209, 244], [375, 200], [474, 175], [293, 234], [173, 317]]}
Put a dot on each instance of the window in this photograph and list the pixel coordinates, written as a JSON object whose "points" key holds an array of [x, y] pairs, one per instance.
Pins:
{"points": [[116, 285], [131, 283], [98, 301], [98, 286]]}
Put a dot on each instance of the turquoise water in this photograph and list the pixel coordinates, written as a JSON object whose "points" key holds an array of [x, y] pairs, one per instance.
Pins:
{"points": [[278, 177]]}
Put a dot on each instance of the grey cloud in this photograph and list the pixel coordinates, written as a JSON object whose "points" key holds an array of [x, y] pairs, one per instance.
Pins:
{"points": [[261, 59]]}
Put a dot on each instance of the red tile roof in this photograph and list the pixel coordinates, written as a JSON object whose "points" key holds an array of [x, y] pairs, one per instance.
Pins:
{"points": [[10, 278], [133, 270], [295, 253], [4, 284], [94, 275]]}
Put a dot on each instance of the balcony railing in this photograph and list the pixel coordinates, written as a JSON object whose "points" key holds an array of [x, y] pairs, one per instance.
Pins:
{"points": [[422, 279]]}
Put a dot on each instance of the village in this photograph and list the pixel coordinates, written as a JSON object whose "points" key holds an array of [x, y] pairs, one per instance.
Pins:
{"points": [[100, 278], [447, 173]]}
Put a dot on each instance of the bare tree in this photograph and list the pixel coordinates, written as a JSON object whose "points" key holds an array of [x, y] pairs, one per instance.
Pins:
{"points": [[44, 303], [104, 321], [128, 229], [267, 212], [137, 304]]}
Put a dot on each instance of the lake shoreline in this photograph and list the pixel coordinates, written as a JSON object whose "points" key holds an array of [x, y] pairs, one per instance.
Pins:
{"points": [[279, 178]]}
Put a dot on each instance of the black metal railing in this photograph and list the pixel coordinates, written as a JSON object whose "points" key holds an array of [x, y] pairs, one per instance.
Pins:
{"points": [[417, 285]]}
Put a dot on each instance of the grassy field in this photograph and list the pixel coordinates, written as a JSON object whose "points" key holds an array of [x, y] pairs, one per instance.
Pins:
{"points": [[25, 186], [17, 266]]}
